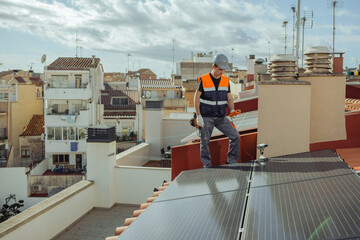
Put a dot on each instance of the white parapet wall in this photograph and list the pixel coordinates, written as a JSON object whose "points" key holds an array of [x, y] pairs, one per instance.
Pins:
{"points": [[14, 181], [135, 184], [40, 168], [48, 218], [135, 156]]}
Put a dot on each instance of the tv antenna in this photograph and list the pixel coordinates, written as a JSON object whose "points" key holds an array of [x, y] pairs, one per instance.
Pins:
{"points": [[293, 35], [334, 4], [173, 52], [77, 40], [306, 21], [285, 22]]}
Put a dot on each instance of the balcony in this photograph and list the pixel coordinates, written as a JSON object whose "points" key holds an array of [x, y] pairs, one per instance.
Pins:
{"points": [[68, 93], [63, 146], [82, 118]]}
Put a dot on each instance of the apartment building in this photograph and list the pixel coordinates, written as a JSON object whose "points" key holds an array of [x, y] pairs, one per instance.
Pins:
{"points": [[71, 104]]}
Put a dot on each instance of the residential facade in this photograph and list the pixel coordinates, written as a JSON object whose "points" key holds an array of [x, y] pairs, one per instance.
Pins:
{"points": [[20, 98], [71, 104], [123, 110]]}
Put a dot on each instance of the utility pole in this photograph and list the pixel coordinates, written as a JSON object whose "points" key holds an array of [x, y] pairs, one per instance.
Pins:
{"points": [[297, 34], [293, 45], [232, 56], [128, 57], [334, 5], [173, 50], [269, 49], [285, 22], [306, 21]]}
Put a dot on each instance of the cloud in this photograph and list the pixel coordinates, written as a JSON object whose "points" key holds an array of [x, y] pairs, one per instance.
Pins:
{"points": [[148, 26]]}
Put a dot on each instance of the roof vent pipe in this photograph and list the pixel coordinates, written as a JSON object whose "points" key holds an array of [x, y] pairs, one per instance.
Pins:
{"points": [[283, 67], [317, 60]]}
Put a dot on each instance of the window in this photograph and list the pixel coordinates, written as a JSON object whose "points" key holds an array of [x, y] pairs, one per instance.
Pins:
{"points": [[60, 81], [50, 133], [120, 101], [25, 152], [58, 134], [78, 81], [60, 158], [72, 133], [4, 96]]}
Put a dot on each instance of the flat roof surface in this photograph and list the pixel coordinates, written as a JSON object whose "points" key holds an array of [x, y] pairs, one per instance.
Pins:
{"points": [[98, 224], [312, 195]]}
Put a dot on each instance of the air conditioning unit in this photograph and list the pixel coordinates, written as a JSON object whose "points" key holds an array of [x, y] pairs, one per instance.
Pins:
{"points": [[36, 187]]}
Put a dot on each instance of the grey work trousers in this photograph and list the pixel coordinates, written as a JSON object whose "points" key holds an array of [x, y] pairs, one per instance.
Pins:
{"points": [[227, 128]]}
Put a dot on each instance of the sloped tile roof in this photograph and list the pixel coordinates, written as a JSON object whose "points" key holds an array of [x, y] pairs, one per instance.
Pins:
{"points": [[35, 126], [108, 94], [5, 73], [351, 156], [20, 80], [352, 104], [70, 63]]}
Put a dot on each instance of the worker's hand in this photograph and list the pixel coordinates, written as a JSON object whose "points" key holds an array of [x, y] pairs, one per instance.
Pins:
{"points": [[230, 118], [200, 121]]}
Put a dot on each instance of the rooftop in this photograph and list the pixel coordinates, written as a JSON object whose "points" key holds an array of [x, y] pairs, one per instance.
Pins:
{"points": [[71, 63], [35, 126]]}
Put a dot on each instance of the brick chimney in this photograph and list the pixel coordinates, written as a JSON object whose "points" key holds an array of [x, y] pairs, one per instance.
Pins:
{"points": [[337, 63]]}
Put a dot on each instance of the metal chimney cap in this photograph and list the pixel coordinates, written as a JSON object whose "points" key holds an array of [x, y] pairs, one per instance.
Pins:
{"points": [[259, 61], [317, 49], [283, 58]]}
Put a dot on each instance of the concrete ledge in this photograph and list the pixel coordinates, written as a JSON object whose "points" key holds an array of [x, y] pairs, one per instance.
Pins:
{"points": [[284, 83], [31, 213], [320, 74]]}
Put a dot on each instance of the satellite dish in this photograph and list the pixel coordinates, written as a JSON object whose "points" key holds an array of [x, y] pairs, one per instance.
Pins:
{"points": [[43, 58]]}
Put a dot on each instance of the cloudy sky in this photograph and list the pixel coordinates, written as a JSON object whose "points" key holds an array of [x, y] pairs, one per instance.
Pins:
{"points": [[112, 29]]}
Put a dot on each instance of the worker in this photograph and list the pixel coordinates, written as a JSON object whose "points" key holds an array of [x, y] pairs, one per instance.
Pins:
{"points": [[211, 98]]}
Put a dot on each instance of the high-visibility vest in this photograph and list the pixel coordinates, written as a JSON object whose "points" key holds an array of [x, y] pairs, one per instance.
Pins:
{"points": [[213, 102]]}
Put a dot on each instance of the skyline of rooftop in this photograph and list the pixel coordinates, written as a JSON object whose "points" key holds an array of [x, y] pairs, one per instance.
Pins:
{"points": [[146, 29]]}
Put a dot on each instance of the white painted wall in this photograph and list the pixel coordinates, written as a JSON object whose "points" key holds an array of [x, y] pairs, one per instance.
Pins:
{"points": [[40, 168], [154, 130], [135, 184], [48, 218], [14, 181], [135, 156], [174, 130], [58, 146], [100, 169]]}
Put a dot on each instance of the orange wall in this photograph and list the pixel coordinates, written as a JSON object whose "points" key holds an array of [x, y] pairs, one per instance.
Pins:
{"points": [[187, 157]]}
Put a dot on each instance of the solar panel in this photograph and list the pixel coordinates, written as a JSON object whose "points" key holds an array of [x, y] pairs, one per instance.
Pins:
{"points": [[214, 216], [243, 121], [310, 196], [298, 167], [208, 181], [326, 208]]}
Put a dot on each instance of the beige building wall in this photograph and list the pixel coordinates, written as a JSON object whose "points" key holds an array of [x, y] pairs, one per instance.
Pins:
{"points": [[327, 107], [21, 112], [284, 117]]}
